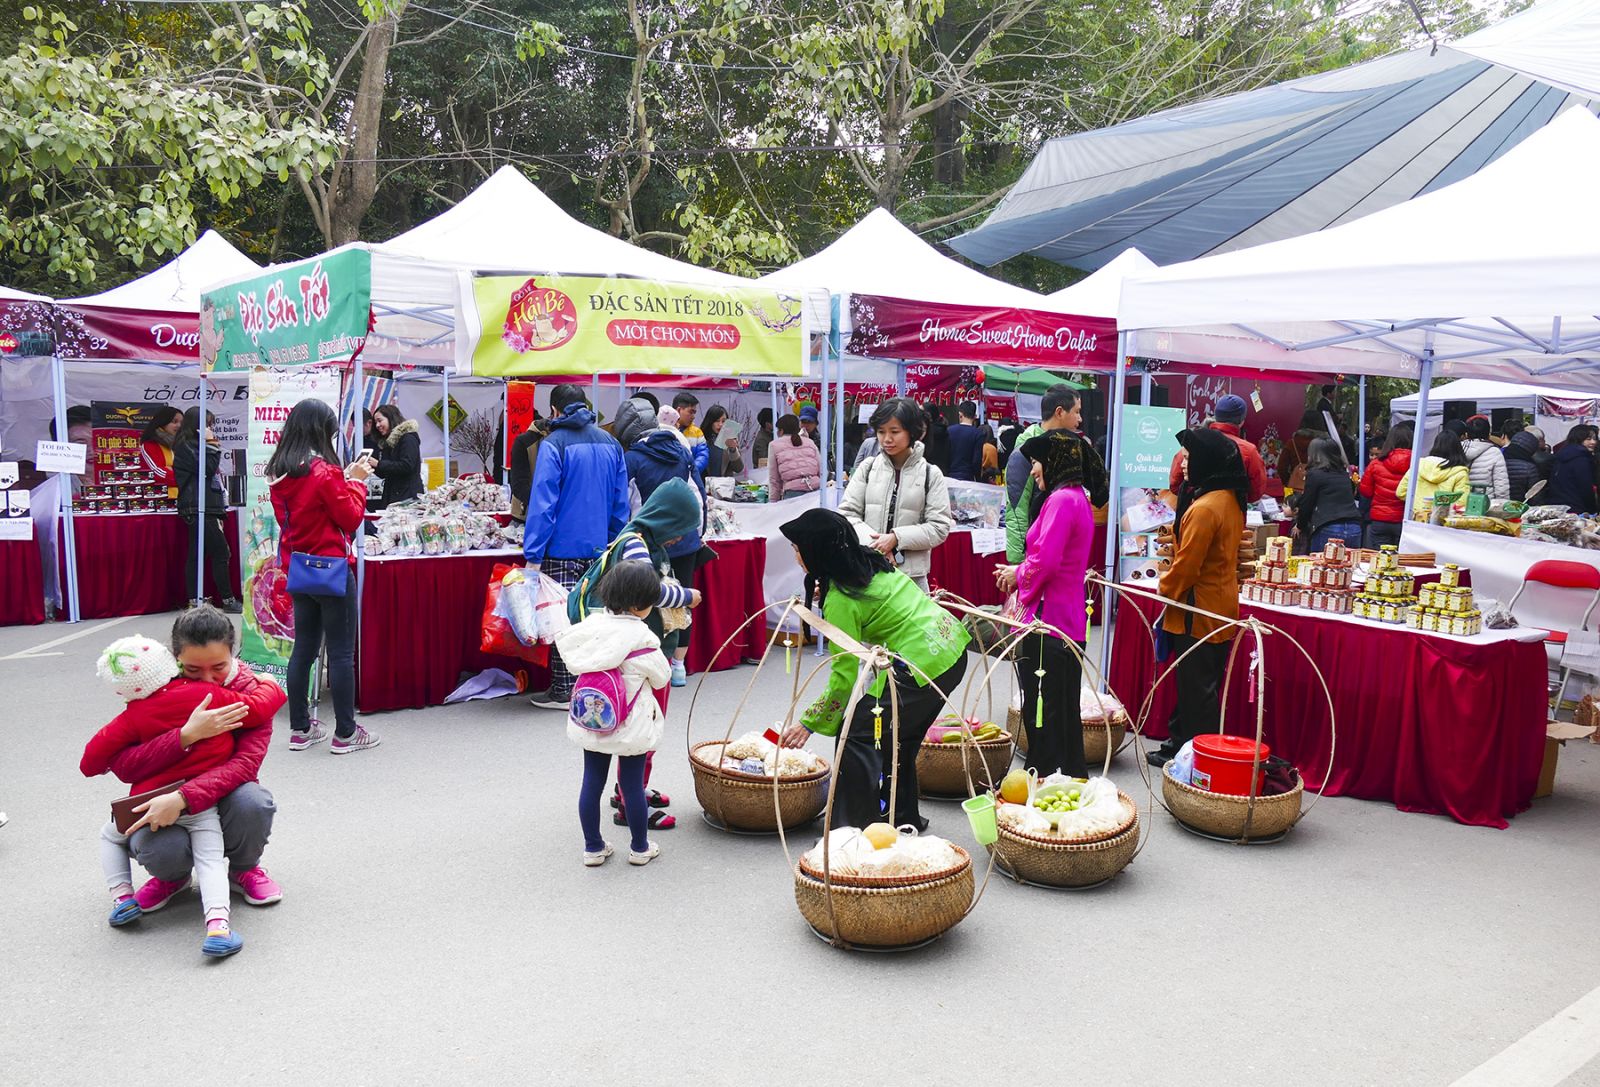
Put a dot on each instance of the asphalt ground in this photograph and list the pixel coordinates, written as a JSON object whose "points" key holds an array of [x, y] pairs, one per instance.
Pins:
{"points": [[437, 926]]}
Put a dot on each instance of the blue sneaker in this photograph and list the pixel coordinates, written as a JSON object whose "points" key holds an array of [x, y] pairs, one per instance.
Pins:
{"points": [[680, 678], [124, 911], [222, 943]]}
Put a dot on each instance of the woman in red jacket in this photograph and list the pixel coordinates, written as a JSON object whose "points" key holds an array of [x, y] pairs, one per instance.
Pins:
{"points": [[155, 446], [319, 507], [1379, 482]]}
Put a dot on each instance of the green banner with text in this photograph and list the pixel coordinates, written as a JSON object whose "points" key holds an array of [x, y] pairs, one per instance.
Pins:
{"points": [[589, 324], [314, 311]]}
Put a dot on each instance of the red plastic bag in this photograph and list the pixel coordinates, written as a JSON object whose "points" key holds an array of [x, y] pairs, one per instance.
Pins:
{"points": [[498, 638]]}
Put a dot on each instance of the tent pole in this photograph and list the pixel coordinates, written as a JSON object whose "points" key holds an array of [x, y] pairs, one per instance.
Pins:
{"points": [[1425, 379], [1119, 386], [899, 379], [58, 374], [829, 499], [1145, 384], [361, 533], [1361, 423], [445, 417], [202, 480], [844, 418]]}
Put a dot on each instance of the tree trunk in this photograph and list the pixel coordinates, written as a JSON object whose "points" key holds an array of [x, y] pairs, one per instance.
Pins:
{"points": [[949, 164], [355, 180]]}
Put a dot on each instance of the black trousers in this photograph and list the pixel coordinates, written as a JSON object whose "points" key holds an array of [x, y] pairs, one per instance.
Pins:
{"points": [[1199, 707], [864, 771], [318, 619], [1055, 742], [217, 554]]}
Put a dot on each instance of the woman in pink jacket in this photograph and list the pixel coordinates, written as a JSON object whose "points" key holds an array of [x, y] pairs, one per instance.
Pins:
{"points": [[793, 465], [1050, 587]]}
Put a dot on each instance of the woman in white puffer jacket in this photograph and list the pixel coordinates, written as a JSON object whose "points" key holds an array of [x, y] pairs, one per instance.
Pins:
{"points": [[897, 501], [1486, 465]]}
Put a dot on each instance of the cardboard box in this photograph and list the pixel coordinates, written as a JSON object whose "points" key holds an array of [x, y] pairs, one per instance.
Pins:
{"points": [[1262, 534], [1556, 734]]}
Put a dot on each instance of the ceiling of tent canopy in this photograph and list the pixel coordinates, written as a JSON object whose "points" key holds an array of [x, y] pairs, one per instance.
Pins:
{"points": [[1299, 156]]}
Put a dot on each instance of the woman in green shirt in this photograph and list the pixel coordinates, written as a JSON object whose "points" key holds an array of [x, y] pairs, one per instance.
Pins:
{"points": [[862, 593]]}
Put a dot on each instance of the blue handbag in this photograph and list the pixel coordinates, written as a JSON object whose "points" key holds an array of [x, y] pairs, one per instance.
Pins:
{"points": [[316, 575]]}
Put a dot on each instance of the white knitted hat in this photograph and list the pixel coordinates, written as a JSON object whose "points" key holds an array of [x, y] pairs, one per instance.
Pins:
{"points": [[136, 667]]}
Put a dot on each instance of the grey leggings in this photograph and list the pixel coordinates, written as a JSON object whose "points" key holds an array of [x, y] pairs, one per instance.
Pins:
{"points": [[202, 834], [246, 815]]}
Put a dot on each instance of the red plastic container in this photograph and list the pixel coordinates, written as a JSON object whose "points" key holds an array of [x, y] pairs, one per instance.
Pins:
{"points": [[1222, 764]]}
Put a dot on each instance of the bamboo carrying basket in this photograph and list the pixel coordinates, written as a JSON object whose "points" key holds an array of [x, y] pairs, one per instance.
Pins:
{"points": [[886, 913], [943, 769], [1097, 738], [744, 801], [1224, 816], [1058, 862]]}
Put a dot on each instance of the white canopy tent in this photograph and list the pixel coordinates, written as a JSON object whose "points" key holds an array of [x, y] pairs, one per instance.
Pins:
{"points": [[176, 286], [1099, 294], [1488, 395]]}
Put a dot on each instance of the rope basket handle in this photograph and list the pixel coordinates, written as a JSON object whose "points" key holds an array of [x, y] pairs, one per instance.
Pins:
{"points": [[870, 661], [1088, 668], [1256, 627]]}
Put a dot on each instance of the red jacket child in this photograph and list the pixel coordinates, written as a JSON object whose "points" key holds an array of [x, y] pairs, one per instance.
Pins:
{"points": [[144, 673], [250, 743], [319, 511], [1382, 480]]}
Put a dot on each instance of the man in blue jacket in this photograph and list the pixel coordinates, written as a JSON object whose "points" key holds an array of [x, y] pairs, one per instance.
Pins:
{"points": [[966, 444], [577, 505]]}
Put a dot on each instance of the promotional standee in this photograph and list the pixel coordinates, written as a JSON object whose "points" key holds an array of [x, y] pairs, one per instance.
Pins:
{"points": [[268, 613], [1149, 443]]}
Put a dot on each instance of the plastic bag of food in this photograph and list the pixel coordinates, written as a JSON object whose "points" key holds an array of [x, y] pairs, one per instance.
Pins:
{"points": [[550, 608], [911, 855], [517, 606], [847, 848], [1024, 818], [1093, 706]]}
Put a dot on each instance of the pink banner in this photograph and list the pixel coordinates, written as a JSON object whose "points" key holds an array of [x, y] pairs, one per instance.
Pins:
{"points": [[90, 332], [895, 328]]}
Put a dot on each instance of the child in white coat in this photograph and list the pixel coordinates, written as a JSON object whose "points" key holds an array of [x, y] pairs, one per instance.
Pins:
{"points": [[616, 639]]}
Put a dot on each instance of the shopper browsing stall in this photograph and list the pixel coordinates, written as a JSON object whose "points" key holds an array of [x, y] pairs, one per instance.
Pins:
{"points": [[1442, 471], [1050, 588], [1204, 575], [794, 467], [399, 455], [898, 499], [862, 594], [1572, 476], [722, 460], [1526, 461], [576, 506], [966, 444], [1486, 464], [319, 507], [196, 465], [764, 435], [659, 456], [1326, 509], [1227, 418], [155, 446], [687, 405], [1380, 486], [1063, 410]]}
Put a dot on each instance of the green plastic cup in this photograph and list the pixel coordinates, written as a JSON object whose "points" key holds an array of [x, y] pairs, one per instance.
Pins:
{"points": [[980, 813]]}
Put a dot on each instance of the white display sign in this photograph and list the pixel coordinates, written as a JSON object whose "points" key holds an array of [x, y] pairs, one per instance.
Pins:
{"points": [[16, 515], [8, 473], [988, 541], [71, 458]]}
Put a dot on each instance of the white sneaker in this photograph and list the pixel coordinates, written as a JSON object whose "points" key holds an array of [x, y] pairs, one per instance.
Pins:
{"points": [[650, 854], [595, 860]]}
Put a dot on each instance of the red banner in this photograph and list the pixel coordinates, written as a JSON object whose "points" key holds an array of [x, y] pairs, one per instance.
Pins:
{"points": [[519, 412], [895, 328], [89, 332]]}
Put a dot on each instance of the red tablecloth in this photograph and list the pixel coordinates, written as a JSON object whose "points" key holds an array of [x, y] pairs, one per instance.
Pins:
{"points": [[422, 618], [1431, 724], [730, 590], [132, 563], [956, 569], [21, 582]]}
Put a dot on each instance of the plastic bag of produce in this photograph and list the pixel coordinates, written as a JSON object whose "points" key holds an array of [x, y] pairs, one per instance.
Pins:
{"points": [[911, 855], [498, 638], [517, 606], [847, 848], [1093, 706], [550, 608]]}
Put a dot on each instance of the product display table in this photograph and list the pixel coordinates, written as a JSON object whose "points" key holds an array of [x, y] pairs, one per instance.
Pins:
{"points": [[21, 582], [1430, 723], [422, 621], [132, 563]]}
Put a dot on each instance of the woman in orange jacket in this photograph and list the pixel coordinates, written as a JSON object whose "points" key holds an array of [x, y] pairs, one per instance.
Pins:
{"points": [[1204, 574]]}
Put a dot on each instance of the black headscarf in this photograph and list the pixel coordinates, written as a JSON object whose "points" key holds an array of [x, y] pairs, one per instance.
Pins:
{"points": [[1065, 458], [832, 553], [1214, 465]]}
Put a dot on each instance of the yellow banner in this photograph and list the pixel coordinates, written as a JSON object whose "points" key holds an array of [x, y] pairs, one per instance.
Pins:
{"points": [[591, 324]]}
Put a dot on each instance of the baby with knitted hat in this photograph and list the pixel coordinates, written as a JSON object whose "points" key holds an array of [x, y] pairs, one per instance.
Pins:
{"points": [[145, 675]]}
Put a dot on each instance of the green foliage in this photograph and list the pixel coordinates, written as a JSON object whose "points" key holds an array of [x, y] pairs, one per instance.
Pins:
{"points": [[108, 149]]}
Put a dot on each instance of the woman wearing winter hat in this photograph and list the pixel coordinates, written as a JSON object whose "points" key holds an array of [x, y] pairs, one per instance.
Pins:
{"points": [[1204, 574]]}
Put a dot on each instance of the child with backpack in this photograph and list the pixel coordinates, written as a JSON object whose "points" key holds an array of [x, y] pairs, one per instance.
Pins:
{"points": [[616, 657]]}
